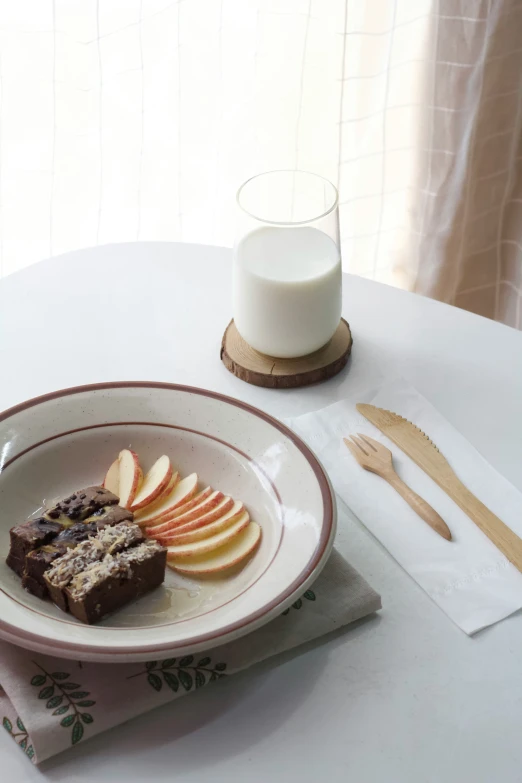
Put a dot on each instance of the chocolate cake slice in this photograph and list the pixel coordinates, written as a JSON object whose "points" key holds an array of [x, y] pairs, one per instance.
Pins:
{"points": [[38, 560], [42, 531], [108, 541], [112, 582], [81, 504], [86, 553], [29, 536]]}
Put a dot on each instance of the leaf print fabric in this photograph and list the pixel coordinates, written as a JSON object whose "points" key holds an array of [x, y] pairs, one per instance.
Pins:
{"points": [[48, 704], [191, 675]]}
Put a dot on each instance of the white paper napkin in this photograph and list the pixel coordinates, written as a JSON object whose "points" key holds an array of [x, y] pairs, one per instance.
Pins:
{"points": [[468, 577]]}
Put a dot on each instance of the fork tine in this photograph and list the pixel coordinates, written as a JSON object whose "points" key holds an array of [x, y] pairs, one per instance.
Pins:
{"points": [[352, 448], [373, 444], [359, 445], [355, 452]]}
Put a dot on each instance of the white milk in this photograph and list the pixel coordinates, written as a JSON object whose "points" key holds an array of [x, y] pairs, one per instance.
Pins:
{"points": [[287, 290]]}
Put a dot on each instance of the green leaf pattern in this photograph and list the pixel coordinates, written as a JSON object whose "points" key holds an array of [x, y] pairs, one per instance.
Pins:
{"points": [[185, 679], [309, 595], [62, 696], [20, 737], [184, 672], [55, 688], [154, 681], [171, 680], [77, 732], [38, 679]]}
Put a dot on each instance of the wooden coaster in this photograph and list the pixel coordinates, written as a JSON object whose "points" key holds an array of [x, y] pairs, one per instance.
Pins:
{"points": [[261, 370]]}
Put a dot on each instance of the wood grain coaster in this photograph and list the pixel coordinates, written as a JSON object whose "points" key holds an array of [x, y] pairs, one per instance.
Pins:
{"points": [[260, 370]]}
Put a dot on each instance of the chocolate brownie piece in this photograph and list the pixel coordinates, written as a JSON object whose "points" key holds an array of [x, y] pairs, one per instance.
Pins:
{"points": [[107, 585], [39, 532], [109, 515], [15, 563], [29, 536], [81, 504], [39, 560], [109, 540], [36, 564], [35, 586]]}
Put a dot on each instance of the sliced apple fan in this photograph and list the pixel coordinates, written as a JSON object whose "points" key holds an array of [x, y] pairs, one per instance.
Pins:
{"points": [[204, 531]]}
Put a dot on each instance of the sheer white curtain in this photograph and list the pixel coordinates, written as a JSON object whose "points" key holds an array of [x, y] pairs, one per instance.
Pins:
{"points": [[125, 120]]}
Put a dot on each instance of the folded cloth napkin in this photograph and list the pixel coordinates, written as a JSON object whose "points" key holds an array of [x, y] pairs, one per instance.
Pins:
{"points": [[468, 577], [48, 704]]}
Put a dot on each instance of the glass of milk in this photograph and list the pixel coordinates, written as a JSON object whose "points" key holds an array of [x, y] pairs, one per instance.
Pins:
{"points": [[287, 280]]}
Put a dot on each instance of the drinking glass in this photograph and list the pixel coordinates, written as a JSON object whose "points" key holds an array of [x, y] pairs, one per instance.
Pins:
{"points": [[287, 278]]}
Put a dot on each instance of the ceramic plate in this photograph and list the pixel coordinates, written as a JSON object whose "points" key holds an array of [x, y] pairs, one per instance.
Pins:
{"points": [[52, 445]]}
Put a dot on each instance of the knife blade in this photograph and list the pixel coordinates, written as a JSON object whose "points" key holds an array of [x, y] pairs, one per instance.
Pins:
{"points": [[418, 446]]}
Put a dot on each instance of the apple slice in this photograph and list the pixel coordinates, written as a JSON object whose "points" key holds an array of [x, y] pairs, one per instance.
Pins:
{"points": [[182, 492], [180, 516], [207, 531], [159, 500], [154, 483], [168, 489], [220, 559], [214, 500], [196, 548], [202, 523], [130, 477], [112, 478], [171, 528], [194, 501]]}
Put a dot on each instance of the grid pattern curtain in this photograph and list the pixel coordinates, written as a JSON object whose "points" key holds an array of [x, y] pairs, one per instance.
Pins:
{"points": [[124, 120], [469, 212]]}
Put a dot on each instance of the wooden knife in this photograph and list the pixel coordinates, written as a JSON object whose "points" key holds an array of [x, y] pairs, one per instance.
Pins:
{"points": [[417, 445]]}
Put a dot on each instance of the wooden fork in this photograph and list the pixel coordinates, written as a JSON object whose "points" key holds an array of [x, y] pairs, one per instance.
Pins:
{"points": [[375, 457]]}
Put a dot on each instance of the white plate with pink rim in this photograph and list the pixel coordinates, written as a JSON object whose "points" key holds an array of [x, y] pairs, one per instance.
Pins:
{"points": [[66, 440]]}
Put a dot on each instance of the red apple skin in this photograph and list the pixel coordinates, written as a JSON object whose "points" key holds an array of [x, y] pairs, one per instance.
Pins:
{"points": [[194, 513], [188, 533], [158, 490], [204, 545], [143, 519], [203, 567], [234, 512], [176, 511], [209, 516]]}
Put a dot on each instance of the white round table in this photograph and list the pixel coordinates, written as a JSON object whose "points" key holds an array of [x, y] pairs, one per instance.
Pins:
{"points": [[404, 697]]}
